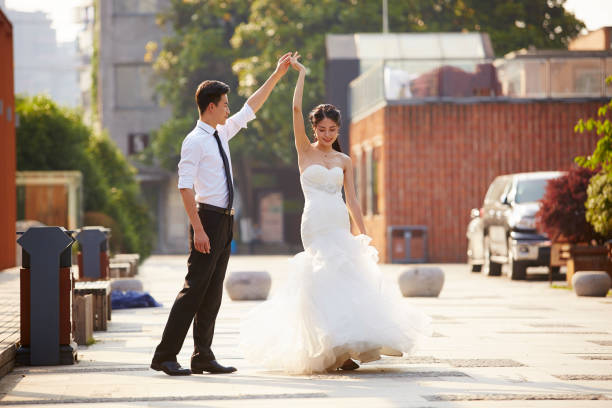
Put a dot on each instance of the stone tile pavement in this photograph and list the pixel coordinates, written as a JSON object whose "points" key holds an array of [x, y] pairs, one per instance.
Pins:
{"points": [[497, 343], [9, 318]]}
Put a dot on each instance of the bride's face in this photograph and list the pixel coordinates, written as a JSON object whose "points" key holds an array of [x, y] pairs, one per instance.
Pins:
{"points": [[326, 131]]}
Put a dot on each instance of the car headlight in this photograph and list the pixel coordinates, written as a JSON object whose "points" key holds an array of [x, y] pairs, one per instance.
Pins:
{"points": [[523, 222]]}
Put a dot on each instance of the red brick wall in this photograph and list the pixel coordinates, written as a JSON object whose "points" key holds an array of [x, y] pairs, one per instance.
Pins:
{"points": [[368, 131], [8, 204], [440, 158]]}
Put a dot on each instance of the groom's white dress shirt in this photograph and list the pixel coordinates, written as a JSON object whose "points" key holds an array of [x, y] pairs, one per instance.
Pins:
{"points": [[201, 165]]}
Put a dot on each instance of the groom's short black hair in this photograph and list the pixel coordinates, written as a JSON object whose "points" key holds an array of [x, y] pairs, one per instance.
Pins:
{"points": [[210, 91]]}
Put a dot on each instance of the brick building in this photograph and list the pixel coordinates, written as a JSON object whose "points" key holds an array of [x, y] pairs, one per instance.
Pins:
{"points": [[429, 164], [425, 145], [7, 146]]}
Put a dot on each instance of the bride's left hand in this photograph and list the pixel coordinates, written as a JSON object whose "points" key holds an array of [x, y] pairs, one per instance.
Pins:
{"points": [[295, 63]]}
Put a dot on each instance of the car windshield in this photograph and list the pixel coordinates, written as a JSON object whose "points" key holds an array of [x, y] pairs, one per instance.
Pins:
{"points": [[528, 191]]}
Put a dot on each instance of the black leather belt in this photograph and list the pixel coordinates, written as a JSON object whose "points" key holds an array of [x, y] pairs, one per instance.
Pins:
{"points": [[220, 210]]}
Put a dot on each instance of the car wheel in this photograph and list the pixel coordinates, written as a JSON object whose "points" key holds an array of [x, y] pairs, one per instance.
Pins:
{"points": [[476, 268], [490, 268], [517, 269]]}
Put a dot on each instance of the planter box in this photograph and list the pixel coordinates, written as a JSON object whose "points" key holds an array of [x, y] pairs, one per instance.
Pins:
{"points": [[586, 258]]}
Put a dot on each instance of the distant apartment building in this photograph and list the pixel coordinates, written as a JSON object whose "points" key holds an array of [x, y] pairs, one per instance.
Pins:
{"points": [[126, 104], [42, 65], [596, 40]]}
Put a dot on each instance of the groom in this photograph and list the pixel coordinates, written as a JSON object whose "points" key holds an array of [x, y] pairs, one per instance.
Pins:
{"points": [[206, 166]]}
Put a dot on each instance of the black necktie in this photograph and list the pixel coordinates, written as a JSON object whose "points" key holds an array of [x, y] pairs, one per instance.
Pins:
{"points": [[228, 174]]}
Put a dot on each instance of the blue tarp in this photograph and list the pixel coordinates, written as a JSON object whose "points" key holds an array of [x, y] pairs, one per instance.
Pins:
{"points": [[132, 299]]}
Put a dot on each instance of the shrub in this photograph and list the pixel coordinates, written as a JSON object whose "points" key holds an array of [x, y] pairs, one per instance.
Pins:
{"points": [[562, 214], [51, 137]]}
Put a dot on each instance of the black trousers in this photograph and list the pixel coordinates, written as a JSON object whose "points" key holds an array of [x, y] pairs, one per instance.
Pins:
{"points": [[200, 298]]}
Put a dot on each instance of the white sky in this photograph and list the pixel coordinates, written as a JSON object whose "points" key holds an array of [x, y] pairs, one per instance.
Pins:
{"points": [[595, 13]]}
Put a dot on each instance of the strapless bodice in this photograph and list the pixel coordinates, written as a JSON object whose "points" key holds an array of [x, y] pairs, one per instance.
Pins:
{"points": [[324, 208], [318, 178]]}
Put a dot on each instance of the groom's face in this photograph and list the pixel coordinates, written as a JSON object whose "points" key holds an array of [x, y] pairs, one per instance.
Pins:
{"points": [[221, 111]]}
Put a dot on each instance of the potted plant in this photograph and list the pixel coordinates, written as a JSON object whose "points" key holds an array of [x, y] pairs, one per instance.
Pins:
{"points": [[562, 216]]}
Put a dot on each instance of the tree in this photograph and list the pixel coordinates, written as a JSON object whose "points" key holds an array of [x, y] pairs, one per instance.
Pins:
{"points": [[50, 137]]}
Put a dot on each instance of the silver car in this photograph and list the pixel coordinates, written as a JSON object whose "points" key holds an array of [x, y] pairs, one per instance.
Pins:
{"points": [[503, 231]]}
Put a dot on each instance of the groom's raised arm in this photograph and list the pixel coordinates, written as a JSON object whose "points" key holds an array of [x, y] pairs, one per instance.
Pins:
{"points": [[240, 119], [257, 100]]}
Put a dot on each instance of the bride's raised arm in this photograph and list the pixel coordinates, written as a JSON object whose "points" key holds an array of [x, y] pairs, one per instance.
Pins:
{"points": [[301, 140]]}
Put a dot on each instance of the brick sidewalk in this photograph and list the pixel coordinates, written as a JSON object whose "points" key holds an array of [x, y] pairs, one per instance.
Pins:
{"points": [[9, 318]]}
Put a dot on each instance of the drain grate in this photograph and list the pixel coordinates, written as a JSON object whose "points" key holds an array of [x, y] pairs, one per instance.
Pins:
{"points": [[514, 397]]}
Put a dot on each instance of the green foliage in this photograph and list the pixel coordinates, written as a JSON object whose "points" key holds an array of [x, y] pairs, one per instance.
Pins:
{"points": [[599, 202], [50, 137], [166, 145]]}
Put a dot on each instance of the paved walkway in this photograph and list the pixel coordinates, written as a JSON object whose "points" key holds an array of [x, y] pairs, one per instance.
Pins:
{"points": [[497, 343], [9, 318]]}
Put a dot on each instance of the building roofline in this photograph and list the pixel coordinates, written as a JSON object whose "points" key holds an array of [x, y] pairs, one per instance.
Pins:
{"points": [[5, 20]]}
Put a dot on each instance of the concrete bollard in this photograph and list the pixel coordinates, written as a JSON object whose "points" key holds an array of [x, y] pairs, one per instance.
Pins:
{"points": [[591, 283], [248, 285], [421, 281], [93, 257]]}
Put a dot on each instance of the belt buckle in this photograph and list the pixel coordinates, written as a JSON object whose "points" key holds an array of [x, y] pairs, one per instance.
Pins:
{"points": [[229, 212]]}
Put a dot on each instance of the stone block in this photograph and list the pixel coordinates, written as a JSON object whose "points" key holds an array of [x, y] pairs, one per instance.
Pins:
{"points": [[120, 270], [591, 283], [248, 285], [421, 281]]}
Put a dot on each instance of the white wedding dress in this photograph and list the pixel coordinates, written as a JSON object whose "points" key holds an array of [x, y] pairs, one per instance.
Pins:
{"points": [[332, 305]]}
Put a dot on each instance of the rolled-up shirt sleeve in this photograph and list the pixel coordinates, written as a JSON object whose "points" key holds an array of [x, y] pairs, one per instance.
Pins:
{"points": [[236, 122], [191, 153]]}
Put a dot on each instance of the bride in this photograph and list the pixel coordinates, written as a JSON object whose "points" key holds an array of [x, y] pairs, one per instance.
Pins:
{"points": [[332, 309]]}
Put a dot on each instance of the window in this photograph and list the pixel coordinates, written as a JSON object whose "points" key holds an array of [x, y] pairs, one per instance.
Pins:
{"points": [[363, 195], [137, 142], [375, 162], [132, 86], [134, 6], [529, 191], [357, 177], [372, 180]]}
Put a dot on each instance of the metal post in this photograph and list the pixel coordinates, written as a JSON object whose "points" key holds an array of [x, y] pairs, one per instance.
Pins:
{"points": [[385, 16]]}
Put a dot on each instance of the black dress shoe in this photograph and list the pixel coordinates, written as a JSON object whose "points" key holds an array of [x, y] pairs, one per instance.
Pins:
{"points": [[170, 368], [349, 365], [212, 367]]}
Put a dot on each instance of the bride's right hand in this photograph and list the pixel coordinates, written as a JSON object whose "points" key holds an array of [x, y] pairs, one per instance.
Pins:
{"points": [[295, 63]]}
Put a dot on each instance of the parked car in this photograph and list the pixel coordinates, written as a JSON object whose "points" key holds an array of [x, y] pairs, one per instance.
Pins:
{"points": [[504, 230]]}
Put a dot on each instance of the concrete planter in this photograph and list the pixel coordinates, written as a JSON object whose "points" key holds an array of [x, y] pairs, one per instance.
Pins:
{"points": [[421, 281], [248, 285], [591, 283], [586, 258]]}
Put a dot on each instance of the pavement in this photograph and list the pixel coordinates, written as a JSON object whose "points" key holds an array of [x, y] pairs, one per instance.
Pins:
{"points": [[497, 343]]}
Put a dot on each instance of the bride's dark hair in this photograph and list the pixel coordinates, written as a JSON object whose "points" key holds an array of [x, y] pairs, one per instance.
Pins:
{"points": [[328, 111]]}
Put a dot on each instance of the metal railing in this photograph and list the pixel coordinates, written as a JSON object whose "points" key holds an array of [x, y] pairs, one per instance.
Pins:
{"points": [[422, 80]]}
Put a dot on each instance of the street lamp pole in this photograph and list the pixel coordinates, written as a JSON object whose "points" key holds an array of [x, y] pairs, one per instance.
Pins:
{"points": [[385, 17]]}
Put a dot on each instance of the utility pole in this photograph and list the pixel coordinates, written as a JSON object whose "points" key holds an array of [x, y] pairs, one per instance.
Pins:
{"points": [[385, 16]]}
